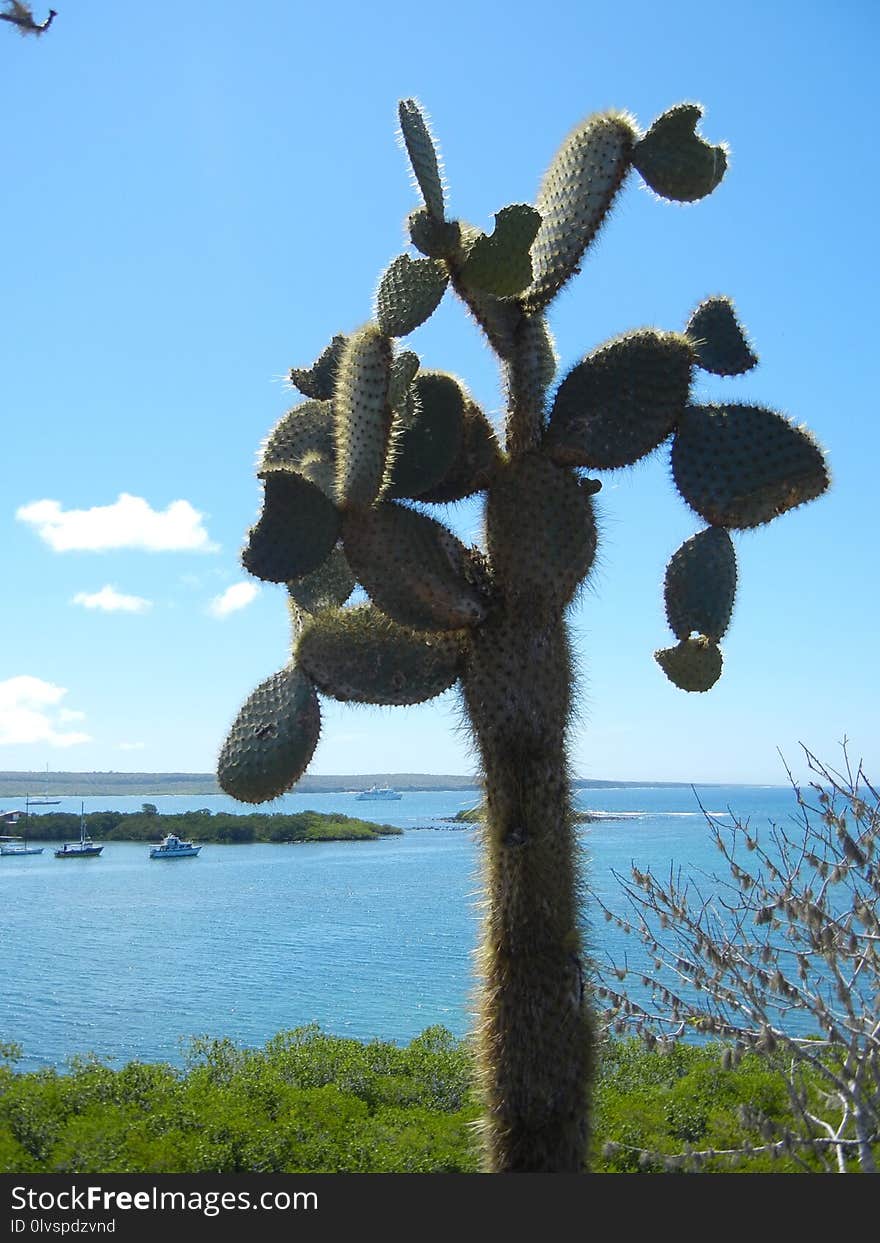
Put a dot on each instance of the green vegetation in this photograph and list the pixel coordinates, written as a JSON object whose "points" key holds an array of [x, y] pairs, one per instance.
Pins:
{"points": [[474, 815], [207, 826], [313, 1103]]}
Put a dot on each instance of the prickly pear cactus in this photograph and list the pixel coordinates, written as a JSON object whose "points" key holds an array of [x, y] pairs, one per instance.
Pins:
{"points": [[349, 475]]}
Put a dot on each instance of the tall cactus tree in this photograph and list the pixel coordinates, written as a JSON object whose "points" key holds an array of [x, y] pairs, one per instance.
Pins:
{"points": [[349, 475]]}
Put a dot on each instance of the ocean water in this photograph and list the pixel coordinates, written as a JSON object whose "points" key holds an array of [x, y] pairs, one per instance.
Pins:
{"points": [[127, 958]]}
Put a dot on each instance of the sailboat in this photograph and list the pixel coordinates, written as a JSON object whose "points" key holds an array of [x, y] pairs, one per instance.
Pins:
{"points": [[85, 848], [46, 801], [13, 847]]}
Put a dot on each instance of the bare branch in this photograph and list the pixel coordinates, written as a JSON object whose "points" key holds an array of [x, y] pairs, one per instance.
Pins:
{"points": [[779, 955]]}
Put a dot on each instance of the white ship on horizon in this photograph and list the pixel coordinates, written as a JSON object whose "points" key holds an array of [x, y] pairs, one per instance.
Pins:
{"points": [[378, 794]]}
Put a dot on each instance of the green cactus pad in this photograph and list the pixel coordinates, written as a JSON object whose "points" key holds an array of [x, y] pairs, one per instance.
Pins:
{"points": [[700, 585], [414, 569], [540, 531], [295, 532], [422, 155], [501, 264], [404, 370], [319, 380], [675, 162], [328, 587], [362, 416], [692, 665], [428, 435], [438, 239], [272, 739], [478, 457], [741, 465], [306, 429], [321, 471], [719, 342], [409, 292], [621, 402], [574, 198], [361, 655]]}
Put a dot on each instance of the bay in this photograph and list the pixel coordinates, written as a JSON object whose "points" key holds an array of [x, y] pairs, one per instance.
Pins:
{"points": [[127, 958]]}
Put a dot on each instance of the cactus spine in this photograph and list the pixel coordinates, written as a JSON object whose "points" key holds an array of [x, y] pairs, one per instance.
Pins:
{"points": [[342, 474]]}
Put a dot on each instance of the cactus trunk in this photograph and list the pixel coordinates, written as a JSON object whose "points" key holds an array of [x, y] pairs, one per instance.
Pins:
{"points": [[533, 1035]]}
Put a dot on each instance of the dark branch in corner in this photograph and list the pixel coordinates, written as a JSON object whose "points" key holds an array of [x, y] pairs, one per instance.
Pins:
{"points": [[21, 15]]}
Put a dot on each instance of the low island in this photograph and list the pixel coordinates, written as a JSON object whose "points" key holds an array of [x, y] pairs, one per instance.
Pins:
{"points": [[474, 815], [203, 825]]}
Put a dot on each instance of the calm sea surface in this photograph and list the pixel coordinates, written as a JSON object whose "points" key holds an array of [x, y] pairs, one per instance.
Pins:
{"points": [[129, 958]]}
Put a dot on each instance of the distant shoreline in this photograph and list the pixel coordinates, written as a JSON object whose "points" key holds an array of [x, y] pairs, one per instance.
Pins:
{"points": [[22, 785]]}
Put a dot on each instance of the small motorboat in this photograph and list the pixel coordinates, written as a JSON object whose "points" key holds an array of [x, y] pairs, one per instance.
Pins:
{"points": [[173, 847]]}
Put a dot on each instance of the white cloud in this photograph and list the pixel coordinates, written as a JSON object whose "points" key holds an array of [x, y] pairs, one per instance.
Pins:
{"points": [[109, 600], [29, 714], [128, 523], [132, 746], [236, 597]]}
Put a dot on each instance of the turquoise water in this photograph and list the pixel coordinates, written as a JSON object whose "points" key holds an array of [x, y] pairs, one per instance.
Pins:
{"points": [[128, 958]]}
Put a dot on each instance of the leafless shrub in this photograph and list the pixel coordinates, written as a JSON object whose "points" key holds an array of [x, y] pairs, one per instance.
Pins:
{"points": [[778, 953]]}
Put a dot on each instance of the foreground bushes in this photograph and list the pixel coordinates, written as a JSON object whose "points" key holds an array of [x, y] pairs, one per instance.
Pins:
{"points": [[313, 1103]]}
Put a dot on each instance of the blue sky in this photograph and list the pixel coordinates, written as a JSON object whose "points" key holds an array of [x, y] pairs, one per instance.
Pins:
{"points": [[196, 198]]}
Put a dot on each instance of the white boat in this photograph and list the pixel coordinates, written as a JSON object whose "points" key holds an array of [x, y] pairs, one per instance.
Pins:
{"points": [[85, 848], [13, 847], [378, 794], [172, 847], [45, 801]]}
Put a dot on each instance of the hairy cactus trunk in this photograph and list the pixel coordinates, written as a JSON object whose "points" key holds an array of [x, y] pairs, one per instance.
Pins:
{"points": [[533, 1035], [533, 1032]]}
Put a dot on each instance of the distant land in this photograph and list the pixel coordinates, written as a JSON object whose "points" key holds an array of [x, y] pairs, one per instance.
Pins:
{"points": [[20, 785]]}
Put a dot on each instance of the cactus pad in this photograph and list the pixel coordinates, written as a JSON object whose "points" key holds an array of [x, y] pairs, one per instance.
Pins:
{"points": [[428, 434], [321, 471], [700, 585], [501, 264], [414, 569], [319, 380], [621, 402], [295, 531], [574, 198], [306, 429], [362, 416], [437, 239], [361, 655], [422, 155], [478, 457], [328, 587], [719, 342], [272, 739], [675, 162], [409, 292], [404, 370], [540, 531], [741, 466], [692, 665]]}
